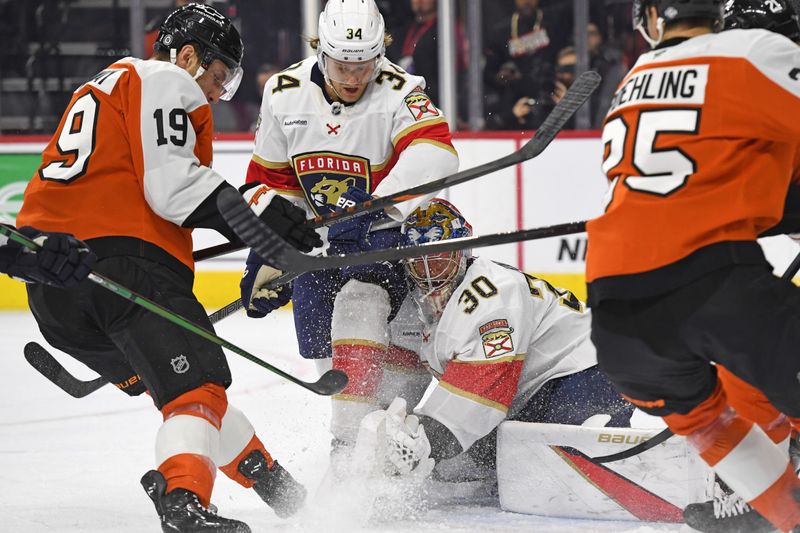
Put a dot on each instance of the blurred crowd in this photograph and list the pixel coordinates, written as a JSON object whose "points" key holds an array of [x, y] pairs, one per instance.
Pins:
{"points": [[528, 51], [528, 54]]}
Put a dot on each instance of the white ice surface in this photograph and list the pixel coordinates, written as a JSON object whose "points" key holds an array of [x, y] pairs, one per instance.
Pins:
{"points": [[69, 465]]}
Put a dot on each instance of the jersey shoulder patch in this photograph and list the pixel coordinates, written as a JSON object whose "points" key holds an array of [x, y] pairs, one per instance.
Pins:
{"points": [[420, 105]]}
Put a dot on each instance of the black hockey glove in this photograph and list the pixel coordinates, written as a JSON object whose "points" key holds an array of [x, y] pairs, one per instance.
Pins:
{"points": [[285, 218], [62, 260], [289, 222]]}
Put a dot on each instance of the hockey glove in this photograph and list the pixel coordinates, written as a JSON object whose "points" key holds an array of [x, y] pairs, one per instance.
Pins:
{"points": [[62, 261], [285, 218], [353, 236], [258, 300], [407, 448]]}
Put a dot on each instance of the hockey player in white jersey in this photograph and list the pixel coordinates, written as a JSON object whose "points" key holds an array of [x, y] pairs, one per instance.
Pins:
{"points": [[335, 130], [502, 344]]}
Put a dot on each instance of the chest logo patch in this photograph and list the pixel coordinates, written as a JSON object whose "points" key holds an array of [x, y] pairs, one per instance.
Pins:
{"points": [[324, 176], [420, 105], [496, 337]]}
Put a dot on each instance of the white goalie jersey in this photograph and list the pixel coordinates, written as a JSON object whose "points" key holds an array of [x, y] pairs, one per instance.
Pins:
{"points": [[311, 148], [502, 335]]}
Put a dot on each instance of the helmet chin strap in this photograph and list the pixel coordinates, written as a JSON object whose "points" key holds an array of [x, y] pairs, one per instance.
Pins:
{"points": [[173, 58], [653, 42]]}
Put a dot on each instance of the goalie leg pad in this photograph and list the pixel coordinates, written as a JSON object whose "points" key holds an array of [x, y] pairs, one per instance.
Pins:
{"points": [[361, 313], [544, 469]]}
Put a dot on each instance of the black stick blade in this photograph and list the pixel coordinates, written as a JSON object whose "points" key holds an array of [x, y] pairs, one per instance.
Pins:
{"points": [[577, 94], [46, 365], [331, 382]]}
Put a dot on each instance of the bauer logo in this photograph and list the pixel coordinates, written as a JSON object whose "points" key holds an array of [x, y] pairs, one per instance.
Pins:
{"points": [[324, 176], [180, 364]]}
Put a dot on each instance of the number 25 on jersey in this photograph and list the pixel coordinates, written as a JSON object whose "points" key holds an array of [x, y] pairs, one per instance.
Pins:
{"points": [[659, 171]]}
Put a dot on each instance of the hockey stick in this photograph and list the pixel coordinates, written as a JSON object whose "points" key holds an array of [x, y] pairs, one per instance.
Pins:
{"points": [[47, 365], [305, 263], [266, 242], [660, 437], [330, 382], [576, 95]]}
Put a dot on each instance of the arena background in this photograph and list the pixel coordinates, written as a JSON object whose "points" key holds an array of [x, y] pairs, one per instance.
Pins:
{"points": [[563, 184]]}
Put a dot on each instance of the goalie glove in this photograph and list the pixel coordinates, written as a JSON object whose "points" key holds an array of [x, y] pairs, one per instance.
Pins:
{"points": [[407, 447]]}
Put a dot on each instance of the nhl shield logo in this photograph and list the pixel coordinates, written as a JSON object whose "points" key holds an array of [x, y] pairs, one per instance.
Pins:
{"points": [[180, 364], [324, 176]]}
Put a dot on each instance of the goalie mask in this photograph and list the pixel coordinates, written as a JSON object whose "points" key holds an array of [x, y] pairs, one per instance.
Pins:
{"points": [[436, 275], [214, 37], [351, 41], [773, 15], [671, 11]]}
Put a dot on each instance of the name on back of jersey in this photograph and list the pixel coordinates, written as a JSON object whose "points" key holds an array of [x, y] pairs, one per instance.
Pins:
{"points": [[324, 176], [682, 85]]}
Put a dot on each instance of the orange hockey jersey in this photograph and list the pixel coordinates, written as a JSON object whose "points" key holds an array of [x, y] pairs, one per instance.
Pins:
{"points": [[701, 142], [131, 158]]}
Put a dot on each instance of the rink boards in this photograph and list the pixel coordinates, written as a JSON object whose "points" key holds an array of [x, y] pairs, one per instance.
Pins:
{"points": [[563, 184]]}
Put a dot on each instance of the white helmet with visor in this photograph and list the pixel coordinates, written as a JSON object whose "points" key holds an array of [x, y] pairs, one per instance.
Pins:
{"points": [[351, 41]]}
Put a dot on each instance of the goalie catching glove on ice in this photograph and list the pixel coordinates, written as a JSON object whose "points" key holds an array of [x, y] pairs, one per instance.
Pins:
{"points": [[393, 442]]}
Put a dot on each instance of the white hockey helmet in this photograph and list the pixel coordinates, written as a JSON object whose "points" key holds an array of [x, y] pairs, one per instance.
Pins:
{"points": [[351, 41]]}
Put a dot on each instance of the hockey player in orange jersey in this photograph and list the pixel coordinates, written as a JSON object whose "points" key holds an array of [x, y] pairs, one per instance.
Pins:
{"points": [[726, 511], [700, 147], [128, 171]]}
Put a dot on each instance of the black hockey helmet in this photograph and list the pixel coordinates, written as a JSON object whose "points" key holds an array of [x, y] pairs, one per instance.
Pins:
{"points": [[211, 32], [773, 15], [674, 10]]}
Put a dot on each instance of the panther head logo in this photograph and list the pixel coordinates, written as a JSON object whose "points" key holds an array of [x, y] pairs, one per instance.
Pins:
{"points": [[327, 191]]}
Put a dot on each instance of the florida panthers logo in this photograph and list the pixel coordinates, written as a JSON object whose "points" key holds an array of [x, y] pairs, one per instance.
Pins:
{"points": [[496, 338], [437, 222], [324, 176], [327, 191]]}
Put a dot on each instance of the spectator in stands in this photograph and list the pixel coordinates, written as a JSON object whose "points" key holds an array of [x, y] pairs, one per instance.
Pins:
{"points": [[520, 54], [607, 61], [415, 46]]}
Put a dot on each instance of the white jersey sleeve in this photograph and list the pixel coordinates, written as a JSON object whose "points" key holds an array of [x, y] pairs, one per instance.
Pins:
{"points": [[422, 144], [176, 127], [503, 335], [478, 350]]}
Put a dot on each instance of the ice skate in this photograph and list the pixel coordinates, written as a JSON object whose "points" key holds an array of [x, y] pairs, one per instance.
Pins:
{"points": [[275, 485], [727, 512], [181, 511]]}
